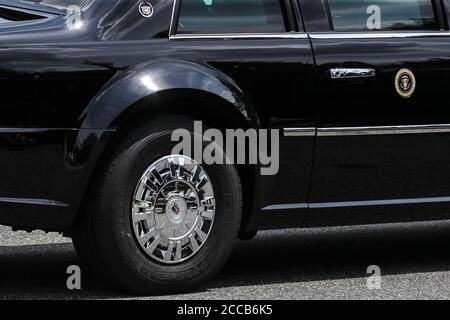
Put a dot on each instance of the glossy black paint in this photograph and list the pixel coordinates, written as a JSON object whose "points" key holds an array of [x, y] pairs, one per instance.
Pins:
{"points": [[41, 165], [74, 81], [380, 167], [78, 79]]}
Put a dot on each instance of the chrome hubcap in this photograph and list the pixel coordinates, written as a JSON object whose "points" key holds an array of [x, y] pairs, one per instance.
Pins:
{"points": [[173, 209]]}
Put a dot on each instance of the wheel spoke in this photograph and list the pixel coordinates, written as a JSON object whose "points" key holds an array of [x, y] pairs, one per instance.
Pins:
{"points": [[208, 214], [195, 174], [146, 237], [202, 183], [149, 184], [142, 216], [208, 203], [193, 242], [192, 205], [168, 254], [158, 177], [151, 248], [178, 250], [174, 169], [142, 204], [201, 235]]}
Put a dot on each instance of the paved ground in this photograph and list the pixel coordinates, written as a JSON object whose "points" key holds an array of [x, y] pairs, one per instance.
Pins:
{"points": [[294, 264]]}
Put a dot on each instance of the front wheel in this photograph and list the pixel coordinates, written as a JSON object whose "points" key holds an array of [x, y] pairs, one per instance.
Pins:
{"points": [[159, 222]]}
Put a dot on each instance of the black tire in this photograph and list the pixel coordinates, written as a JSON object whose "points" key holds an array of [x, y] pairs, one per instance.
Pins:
{"points": [[103, 234]]}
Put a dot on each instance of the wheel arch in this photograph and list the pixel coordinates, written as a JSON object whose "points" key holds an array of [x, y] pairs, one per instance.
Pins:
{"points": [[155, 85], [212, 98]]}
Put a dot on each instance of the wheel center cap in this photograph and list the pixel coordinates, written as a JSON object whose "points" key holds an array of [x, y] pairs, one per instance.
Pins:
{"points": [[176, 209]]}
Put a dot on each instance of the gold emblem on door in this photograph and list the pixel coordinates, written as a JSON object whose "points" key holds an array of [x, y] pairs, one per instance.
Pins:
{"points": [[405, 83]]}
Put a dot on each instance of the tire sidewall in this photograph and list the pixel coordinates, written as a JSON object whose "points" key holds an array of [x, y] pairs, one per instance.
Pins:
{"points": [[131, 265]]}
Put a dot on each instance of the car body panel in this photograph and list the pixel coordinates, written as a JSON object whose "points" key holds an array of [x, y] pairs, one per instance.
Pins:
{"points": [[379, 157], [76, 78]]}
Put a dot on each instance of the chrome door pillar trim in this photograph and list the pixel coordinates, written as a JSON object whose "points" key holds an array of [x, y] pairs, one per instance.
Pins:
{"points": [[172, 19]]}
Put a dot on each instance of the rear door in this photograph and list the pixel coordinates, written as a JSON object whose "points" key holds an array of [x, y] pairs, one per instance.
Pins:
{"points": [[384, 124], [259, 45]]}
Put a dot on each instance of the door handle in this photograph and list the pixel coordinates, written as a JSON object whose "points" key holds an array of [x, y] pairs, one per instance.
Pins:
{"points": [[349, 73]]}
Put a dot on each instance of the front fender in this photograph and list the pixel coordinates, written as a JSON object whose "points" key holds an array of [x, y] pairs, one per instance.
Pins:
{"points": [[153, 79]]}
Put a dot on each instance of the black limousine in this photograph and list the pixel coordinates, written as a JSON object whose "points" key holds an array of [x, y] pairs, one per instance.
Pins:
{"points": [[93, 90]]}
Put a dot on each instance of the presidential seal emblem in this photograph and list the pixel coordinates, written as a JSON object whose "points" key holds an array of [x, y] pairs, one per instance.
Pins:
{"points": [[146, 9], [405, 83]]}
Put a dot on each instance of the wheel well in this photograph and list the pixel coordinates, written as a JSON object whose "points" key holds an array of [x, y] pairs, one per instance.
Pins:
{"points": [[213, 115]]}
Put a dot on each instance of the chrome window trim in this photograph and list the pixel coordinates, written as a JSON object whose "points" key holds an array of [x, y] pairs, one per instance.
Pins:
{"points": [[237, 36], [172, 19], [229, 36], [376, 35]]}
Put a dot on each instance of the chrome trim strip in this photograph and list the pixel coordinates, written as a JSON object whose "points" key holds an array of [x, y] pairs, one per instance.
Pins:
{"points": [[366, 131], [171, 31], [370, 203], [377, 35], [230, 36], [40, 202], [238, 36], [383, 130], [299, 132], [347, 204], [286, 206]]}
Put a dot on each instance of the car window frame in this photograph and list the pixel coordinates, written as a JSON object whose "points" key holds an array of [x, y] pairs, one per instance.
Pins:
{"points": [[291, 18], [445, 9], [438, 15]]}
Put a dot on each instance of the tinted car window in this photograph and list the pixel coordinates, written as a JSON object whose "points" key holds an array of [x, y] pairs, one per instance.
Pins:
{"points": [[231, 16], [384, 15], [8, 15]]}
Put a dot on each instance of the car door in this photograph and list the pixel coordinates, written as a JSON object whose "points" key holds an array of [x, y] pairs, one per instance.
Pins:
{"points": [[383, 138], [259, 45]]}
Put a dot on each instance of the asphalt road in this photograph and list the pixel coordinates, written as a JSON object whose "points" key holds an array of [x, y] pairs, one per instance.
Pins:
{"points": [[326, 263]]}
